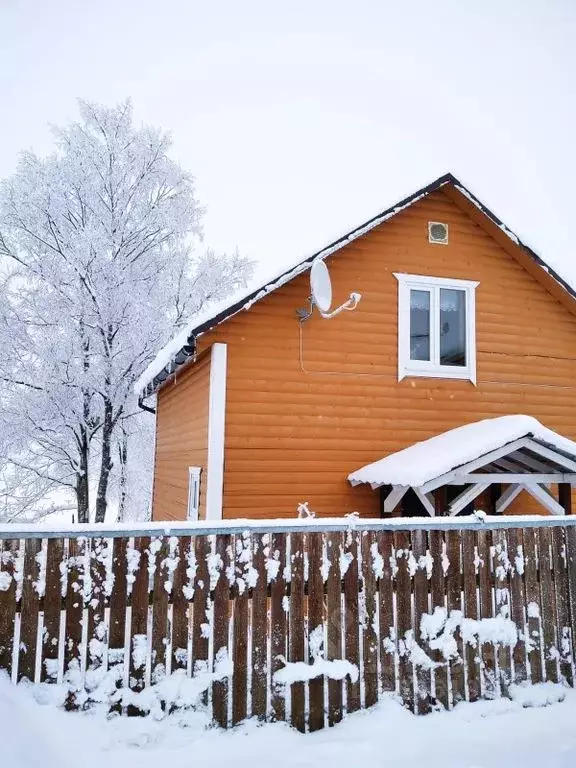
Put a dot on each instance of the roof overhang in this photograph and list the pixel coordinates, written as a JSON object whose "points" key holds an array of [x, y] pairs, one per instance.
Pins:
{"points": [[516, 451]]}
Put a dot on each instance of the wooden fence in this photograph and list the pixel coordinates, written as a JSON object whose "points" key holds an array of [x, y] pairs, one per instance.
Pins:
{"points": [[154, 618]]}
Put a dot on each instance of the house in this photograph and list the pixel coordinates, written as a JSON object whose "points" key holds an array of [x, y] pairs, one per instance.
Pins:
{"points": [[266, 405]]}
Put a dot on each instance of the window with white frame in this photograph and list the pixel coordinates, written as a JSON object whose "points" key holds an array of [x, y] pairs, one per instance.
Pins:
{"points": [[436, 327], [193, 492]]}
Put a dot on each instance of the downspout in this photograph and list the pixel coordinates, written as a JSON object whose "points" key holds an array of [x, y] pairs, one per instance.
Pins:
{"points": [[145, 407]]}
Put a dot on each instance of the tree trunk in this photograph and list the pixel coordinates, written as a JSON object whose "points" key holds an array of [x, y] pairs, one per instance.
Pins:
{"points": [[82, 480], [82, 498], [106, 462], [82, 476], [123, 457]]}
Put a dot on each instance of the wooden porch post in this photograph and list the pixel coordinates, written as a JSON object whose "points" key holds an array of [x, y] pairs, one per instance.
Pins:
{"points": [[565, 497], [384, 491], [495, 492], [440, 501]]}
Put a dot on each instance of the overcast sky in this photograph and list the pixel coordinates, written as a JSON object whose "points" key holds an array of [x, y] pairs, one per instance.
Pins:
{"points": [[301, 119]]}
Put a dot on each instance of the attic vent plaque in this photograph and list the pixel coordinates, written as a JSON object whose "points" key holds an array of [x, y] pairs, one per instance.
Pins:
{"points": [[437, 232]]}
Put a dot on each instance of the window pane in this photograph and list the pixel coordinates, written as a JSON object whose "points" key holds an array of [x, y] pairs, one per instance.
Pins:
{"points": [[419, 325], [452, 327]]}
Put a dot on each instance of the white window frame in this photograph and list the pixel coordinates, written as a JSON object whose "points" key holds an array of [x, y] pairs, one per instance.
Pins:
{"points": [[194, 474], [432, 368]]}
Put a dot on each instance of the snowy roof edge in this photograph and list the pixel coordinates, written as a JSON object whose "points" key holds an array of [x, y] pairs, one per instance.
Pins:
{"points": [[432, 458], [162, 368]]}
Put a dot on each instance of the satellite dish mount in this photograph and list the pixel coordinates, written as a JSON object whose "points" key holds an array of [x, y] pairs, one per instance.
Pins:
{"points": [[321, 294]]}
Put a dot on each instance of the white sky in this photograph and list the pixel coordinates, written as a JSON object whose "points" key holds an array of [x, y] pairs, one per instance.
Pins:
{"points": [[302, 119]]}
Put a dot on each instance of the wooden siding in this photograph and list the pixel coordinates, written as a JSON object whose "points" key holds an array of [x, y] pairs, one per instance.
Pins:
{"points": [[181, 441], [307, 404]]}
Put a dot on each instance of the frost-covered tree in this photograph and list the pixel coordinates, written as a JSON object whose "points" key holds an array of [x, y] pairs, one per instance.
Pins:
{"points": [[99, 248]]}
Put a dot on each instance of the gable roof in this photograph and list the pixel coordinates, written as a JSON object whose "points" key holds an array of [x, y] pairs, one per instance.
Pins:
{"points": [[182, 348]]}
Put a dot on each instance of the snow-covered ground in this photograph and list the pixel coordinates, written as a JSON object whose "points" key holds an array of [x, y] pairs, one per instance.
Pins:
{"points": [[485, 734]]}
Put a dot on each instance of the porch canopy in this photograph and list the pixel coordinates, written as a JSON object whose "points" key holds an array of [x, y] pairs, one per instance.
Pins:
{"points": [[517, 452]]}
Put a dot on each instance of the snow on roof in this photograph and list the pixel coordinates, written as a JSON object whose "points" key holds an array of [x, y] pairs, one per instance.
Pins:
{"points": [[182, 347], [431, 458]]}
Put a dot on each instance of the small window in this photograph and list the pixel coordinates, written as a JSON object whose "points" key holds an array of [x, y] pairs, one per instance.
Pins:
{"points": [[193, 492], [419, 325], [436, 327]]}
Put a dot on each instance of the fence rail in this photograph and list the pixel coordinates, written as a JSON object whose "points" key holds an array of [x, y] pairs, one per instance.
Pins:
{"points": [[301, 625], [289, 525]]}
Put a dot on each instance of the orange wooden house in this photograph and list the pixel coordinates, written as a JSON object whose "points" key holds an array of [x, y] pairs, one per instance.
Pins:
{"points": [[267, 405]]}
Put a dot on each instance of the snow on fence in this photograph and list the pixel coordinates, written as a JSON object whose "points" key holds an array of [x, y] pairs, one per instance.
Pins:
{"points": [[303, 624]]}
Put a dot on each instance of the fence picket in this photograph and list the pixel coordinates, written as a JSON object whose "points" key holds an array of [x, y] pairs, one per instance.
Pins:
{"points": [[559, 560], [570, 534], [570, 538], [139, 562], [351, 617], [334, 617], [438, 600], [29, 610], [223, 553], [422, 698], [278, 623], [548, 608], [96, 604], [201, 605], [387, 626], [454, 602], [517, 602], [52, 611], [486, 609], [180, 607], [501, 565], [471, 652], [8, 556], [369, 634], [315, 627], [296, 628], [73, 647], [404, 616], [161, 639], [118, 605], [240, 651], [533, 606], [259, 631]]}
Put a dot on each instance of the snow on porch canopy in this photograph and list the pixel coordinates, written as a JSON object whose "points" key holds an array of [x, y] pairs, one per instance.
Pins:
{"points": [[514, 450]]}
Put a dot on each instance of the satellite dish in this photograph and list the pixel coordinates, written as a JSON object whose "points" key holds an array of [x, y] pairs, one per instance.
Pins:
{"points": [[321, 286], [321, 289]]}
